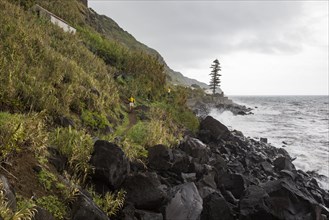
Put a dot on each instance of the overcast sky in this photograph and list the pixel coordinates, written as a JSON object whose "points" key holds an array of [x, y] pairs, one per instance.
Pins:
{"points": [[264, 47]]}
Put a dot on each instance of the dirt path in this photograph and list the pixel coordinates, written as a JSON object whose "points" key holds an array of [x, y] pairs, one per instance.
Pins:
{"points": [[132, 120]]}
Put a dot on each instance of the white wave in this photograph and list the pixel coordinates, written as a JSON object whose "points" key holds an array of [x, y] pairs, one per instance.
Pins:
{"points": [[295, 120]]}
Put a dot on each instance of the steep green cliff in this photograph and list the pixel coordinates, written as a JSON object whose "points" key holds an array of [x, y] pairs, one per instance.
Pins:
{"points": [[61, 91]]}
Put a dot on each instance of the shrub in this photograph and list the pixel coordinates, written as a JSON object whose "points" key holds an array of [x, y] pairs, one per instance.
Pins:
{"points": [[158, 130], [133, 151], [187, 119], [53, 205], [94, 120], [21, 131], [110, 203], [77, 146], [139, 133], [47, 179]]}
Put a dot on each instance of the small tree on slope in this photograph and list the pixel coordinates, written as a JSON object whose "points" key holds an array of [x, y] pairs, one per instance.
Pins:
{"points": [[215, 81]]}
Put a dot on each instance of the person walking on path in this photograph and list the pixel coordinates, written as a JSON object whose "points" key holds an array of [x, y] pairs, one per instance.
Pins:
{"points": [[131, 103]]}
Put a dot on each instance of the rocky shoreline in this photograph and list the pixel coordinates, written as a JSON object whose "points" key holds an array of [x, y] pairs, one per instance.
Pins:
{"points": [[217, 174], [203, 104]]}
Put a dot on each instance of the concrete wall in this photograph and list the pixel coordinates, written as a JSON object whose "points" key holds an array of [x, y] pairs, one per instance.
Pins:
{"points": [[63, 25], [43, 13]]}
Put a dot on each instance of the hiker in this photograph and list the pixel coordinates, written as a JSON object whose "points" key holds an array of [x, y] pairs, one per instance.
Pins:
{"points": [[131, 103], [168, 93]]}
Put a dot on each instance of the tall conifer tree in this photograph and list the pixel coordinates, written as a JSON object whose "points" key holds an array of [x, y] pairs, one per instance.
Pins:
{"points": [[215, 81]]}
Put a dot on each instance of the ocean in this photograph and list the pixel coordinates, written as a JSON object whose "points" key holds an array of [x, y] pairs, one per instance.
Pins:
{"points": [[300, 124]]}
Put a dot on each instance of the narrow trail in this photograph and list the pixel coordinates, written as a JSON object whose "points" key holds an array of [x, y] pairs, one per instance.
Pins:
{"points": [[132, 116]]}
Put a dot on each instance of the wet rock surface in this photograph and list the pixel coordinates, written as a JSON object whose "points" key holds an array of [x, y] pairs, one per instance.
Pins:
{"points": [[223, 175], [219, 174]]}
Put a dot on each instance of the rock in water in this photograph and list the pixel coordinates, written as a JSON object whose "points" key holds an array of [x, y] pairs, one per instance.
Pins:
{"points": [[186, 204], [283, 163], [212, 130], [264, 140], [110, 163]]}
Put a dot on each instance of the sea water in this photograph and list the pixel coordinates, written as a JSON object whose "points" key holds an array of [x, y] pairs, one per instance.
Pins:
{"points": [[300, 124]]}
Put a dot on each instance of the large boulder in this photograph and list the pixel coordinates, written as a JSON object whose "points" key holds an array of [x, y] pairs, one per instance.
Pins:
{"points": [[186, 203], [145, 191], [160, 157], [110, 163], [235, 183], [212, 130], [9, 193], [84, 208], [286, 201], [253, 206], [283, 163], [215, 207], [182, 163], [196, 149]]}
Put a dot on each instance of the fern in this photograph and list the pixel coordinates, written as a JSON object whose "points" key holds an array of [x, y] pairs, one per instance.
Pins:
{"points": [[111, 203]]}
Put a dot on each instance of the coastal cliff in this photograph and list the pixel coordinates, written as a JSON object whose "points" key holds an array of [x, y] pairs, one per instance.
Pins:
{"points": [[71, 148]]}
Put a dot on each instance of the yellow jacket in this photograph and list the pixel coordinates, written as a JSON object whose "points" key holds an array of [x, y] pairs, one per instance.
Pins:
{"points": [[131, 99]]}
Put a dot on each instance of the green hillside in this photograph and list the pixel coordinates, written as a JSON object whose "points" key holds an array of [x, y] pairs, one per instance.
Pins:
{"points": [[61, 91]]}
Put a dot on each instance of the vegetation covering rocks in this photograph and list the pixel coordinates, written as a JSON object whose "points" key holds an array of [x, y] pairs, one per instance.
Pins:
{"points": [[71, 149]]}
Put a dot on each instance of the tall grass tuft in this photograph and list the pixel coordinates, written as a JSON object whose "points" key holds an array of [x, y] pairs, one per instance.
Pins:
{"points": [[18, 132], [77, 146]]}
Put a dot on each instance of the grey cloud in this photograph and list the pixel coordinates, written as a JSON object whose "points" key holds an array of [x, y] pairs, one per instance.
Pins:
{"points": [[191, 29]]}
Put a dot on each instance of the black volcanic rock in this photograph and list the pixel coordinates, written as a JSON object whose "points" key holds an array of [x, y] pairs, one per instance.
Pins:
{"points": [[215, 207], [145, 191], [57, 160], [196, 149], [110, 163], [235, 183], [253, 205], [283, 163], [160, 157], [212, 130], [186, 203], [286, 201], [236, 178], [84, 208], [182, 163]]}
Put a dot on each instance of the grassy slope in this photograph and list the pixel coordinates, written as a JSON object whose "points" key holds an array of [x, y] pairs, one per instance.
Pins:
{"points": [[46, 74]]}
